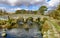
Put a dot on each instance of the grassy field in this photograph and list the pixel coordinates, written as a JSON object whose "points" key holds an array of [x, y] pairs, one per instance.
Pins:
{"points": [[50, 29], [57, 26]]}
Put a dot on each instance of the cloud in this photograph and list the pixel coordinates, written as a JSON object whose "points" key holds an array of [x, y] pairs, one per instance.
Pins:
{"points": [[3, 8], [16, 9], [12, 2], [29, 2], [20, 2], [51, 4]]}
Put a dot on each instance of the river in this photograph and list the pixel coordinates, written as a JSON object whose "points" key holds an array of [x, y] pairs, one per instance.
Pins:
{"points": [[22, 33]]}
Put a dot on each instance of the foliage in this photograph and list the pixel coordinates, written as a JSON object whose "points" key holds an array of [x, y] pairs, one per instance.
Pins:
{"points": [[42, 9], [2, 22], [3, 12], [55, 13], [56, 25], [20, 11], [11, 22], [34, 12]]}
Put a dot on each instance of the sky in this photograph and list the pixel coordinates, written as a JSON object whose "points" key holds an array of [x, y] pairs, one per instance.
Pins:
{"points": [[13, 5]]}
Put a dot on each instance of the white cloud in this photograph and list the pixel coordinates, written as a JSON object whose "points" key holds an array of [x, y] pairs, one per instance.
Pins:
{"points": [[51, 4], [13, 9], [3, 8], [19, 2], [29, 2], [12, 2], [16, 9]]}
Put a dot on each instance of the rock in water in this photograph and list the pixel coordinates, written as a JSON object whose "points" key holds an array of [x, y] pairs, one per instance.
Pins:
{"points": [[3, 34]]}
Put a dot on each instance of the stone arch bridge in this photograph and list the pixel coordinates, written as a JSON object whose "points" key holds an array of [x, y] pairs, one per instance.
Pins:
{"points": [[25, 16]]}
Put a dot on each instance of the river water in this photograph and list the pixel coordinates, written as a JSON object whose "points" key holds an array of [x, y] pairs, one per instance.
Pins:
{"points": [[22, 33]]}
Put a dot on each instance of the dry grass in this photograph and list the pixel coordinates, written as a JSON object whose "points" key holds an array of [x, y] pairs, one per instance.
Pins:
{"points": [[45, 27]]}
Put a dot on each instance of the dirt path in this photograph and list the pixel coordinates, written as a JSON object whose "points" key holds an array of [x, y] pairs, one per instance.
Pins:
{"points": [[56, 34]]}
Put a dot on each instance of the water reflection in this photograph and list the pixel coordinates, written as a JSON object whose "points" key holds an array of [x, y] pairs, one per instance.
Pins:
{"points": [[22, 33]]}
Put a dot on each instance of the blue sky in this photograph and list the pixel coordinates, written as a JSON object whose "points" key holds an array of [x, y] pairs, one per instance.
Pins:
{"points": [[13, 5]]}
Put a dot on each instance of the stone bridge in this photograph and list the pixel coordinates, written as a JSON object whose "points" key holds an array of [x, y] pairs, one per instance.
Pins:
{"points": [[25, 16]]}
